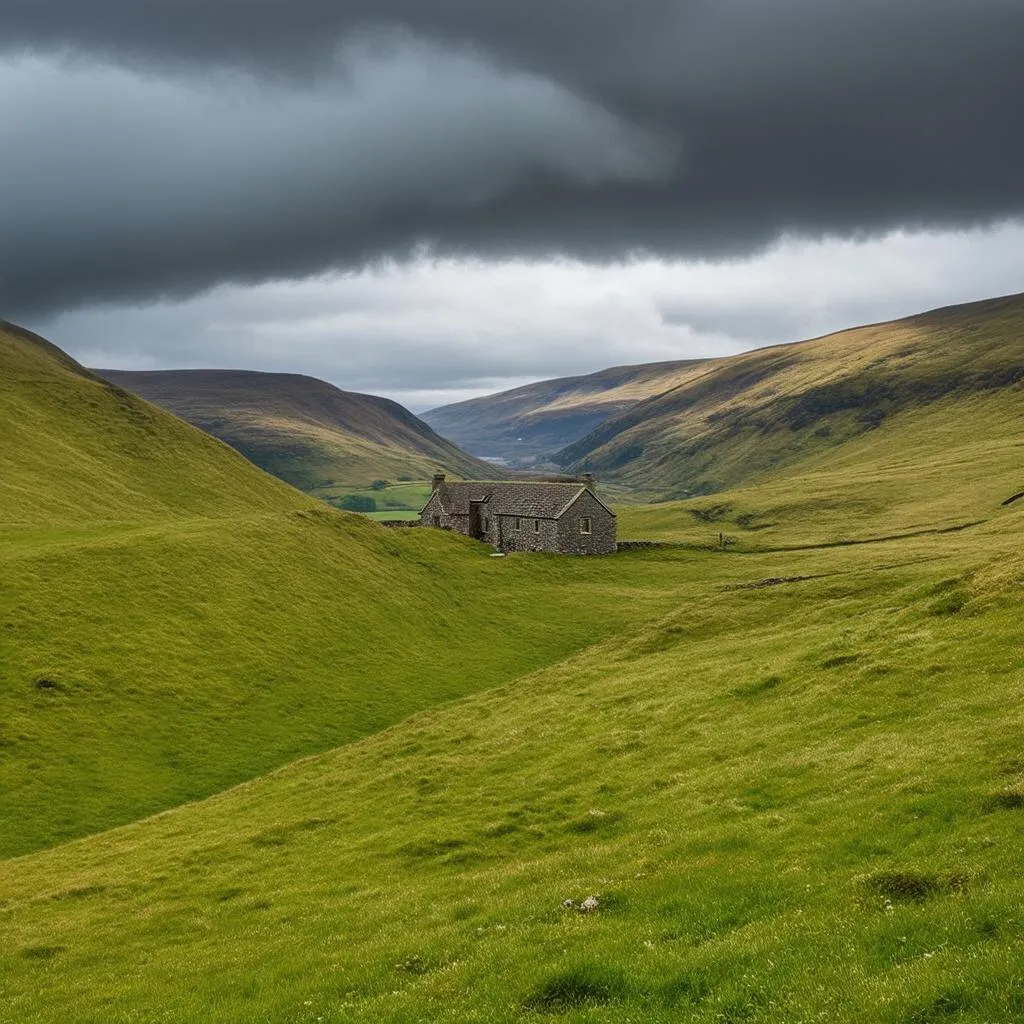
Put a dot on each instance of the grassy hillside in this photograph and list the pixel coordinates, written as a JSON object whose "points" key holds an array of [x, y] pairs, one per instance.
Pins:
{"points": [[174, 621], [788, 772], [941, 467], [746, 417], [820, 822], [528, 424], [303, 430], [77, 449]]}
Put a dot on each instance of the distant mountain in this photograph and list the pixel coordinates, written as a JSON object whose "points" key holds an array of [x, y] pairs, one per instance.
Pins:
{"points": [[528, 424], [737, 419], [301, 429]]}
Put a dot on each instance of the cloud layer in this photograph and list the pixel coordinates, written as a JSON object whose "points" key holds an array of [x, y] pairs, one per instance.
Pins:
{"points": [[430, 332], [159, 149]]}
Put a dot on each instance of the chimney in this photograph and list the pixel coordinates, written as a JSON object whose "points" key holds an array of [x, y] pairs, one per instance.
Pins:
{"points": [[588, 479], [437, 481]]}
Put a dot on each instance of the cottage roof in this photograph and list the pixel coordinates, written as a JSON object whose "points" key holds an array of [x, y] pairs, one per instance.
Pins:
{"points": [[526, 498]]}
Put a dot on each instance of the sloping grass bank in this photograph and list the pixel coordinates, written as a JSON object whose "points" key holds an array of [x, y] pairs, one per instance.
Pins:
{"points": [[820, 822]]}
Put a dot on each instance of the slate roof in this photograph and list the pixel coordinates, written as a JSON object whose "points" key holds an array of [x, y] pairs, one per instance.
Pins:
{"points": [[525, 498]]}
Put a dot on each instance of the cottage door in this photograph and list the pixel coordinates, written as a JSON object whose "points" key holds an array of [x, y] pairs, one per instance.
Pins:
{"points": [[476, 529]]}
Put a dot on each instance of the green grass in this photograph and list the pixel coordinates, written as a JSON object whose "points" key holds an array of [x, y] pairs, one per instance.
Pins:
{"points": [[799, 824], [77, 450], [150, 657], [395, 498], [789, 771], [190, 657], [401, 515]]}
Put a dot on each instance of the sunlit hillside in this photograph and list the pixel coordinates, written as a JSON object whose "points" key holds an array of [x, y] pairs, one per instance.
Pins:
{"points": [[529, 424], [747, 417]]}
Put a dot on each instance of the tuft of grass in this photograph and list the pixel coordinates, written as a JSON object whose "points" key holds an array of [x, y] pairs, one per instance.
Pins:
{"points": [[587, 984], [903, 885], [756, 689], [42, 952], [1007, 800]]}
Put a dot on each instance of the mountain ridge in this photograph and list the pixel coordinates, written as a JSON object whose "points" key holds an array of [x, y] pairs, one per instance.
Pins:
{"points": [[525, 425], [755, 412], [305, 430]]}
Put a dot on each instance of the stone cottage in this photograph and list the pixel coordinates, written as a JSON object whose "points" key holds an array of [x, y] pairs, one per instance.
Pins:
{"points": [[561, 518]]}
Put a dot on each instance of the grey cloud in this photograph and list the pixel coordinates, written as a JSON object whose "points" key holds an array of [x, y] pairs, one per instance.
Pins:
{"points": [[143, 185], [428, 332], [527, 128]]}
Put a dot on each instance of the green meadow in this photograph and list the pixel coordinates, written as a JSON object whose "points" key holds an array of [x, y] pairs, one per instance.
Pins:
{"points": [[818, 822], [395, 495], [264, 761]]}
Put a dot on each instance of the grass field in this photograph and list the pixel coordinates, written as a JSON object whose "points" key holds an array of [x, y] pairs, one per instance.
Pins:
{"points": [[815, 823], [396, 497], [789, 772]]}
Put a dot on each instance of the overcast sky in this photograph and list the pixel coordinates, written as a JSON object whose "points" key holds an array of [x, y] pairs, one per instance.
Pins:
{"points": [[432, 198]]}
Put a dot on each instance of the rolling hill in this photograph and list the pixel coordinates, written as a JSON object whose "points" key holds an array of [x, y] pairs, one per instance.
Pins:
{"points": [[174, 621], [526, 425], [747, 417], [775, 781], [303, 430], [796, 797]]}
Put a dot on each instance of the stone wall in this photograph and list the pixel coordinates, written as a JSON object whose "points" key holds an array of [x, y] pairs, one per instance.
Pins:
{"points": [[600, 540], [527, 537], [460, 524]]}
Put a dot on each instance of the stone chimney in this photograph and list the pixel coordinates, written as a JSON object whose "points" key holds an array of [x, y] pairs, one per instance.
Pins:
{"points": [[587, 479], [437, 481]]}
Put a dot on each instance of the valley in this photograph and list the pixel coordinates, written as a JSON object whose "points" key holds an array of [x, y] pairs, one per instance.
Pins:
{"points": [[264, 760]]}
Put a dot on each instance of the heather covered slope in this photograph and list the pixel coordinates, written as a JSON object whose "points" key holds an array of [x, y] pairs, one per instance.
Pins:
{"points": [[174, 621], [530, 423], [301, 429], [748, 417]]}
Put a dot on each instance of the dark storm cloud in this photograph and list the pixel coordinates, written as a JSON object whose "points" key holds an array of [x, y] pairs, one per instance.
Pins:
{"points": [[193, 142]]}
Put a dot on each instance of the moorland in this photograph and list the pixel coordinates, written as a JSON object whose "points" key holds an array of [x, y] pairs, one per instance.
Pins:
{"points": [[264, 760]]}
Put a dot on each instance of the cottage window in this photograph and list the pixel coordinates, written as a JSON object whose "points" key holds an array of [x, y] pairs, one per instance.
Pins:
{"points": [[519, 524], [485, 524], [585, 524], [536, 526], [437, 520]]}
